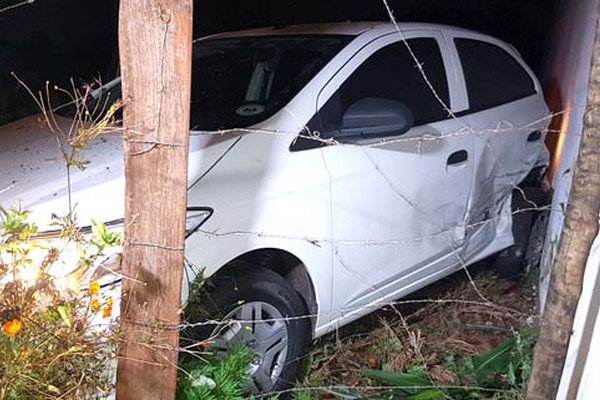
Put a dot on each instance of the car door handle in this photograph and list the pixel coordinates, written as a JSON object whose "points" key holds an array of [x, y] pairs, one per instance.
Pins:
{"points": [[457, 157], [534, 136]]}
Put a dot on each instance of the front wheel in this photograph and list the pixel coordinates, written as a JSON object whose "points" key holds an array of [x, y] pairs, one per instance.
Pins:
{"points": [[259, 309]]}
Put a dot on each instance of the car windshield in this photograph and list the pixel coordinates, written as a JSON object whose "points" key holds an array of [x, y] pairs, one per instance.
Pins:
{"points": [[238, 82]]}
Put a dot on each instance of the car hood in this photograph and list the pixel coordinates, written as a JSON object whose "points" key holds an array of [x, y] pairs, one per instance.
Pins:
{"points": [[34, 171]]}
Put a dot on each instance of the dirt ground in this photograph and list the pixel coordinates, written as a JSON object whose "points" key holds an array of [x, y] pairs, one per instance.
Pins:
{"points": [[456, 317]]}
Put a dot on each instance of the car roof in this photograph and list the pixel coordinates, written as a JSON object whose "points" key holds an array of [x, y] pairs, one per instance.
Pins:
{"points": [[374, 28]]}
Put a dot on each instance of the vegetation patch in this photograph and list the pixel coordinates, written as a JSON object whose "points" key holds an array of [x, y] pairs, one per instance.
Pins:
{"points": [[460, 338], [51, 343]]}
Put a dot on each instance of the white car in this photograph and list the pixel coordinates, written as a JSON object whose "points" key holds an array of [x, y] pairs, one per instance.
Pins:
{"points": [[333, 169]]}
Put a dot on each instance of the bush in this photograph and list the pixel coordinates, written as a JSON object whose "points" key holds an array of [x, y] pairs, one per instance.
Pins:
{"points": [[50, 344]]}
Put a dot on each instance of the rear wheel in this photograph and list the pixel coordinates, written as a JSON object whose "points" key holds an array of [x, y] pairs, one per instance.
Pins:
{"points": [[259, 309], [510, 262]]}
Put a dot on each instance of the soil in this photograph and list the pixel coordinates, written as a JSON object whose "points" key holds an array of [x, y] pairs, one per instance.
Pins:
{"points": [[456, 317]]}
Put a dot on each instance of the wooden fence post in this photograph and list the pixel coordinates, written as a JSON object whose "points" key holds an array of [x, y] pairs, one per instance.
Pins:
{"points": [[155, 43]]}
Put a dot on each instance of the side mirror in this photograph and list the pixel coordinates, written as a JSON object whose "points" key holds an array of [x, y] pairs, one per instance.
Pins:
{"points": [[374, 118]]}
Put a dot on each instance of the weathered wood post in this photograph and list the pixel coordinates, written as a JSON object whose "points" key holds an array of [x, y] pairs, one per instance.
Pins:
{"points": [[155, 43]]}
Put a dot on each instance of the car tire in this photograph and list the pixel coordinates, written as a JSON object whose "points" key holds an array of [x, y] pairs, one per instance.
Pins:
{"points": [[252, 291], [537, 238], [510, 262]]}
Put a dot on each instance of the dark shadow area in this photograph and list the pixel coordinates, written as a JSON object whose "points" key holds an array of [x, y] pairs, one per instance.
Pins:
{"points": [[62, 39], [53, 41]]}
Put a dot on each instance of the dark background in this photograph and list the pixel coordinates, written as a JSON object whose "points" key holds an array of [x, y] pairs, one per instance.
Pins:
{"points": [[56, 40]]}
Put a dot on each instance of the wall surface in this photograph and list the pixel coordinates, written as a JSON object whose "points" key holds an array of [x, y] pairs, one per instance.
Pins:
{"points": [[568, 72], [567, 75]]}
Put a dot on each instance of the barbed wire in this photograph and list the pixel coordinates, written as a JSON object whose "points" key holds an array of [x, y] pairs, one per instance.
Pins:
{"points": [[210, 322], [16, 5], [318, 241], [330, 388]]}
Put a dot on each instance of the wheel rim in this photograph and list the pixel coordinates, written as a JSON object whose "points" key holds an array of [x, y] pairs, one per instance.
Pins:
{"points": [[262, 328]]}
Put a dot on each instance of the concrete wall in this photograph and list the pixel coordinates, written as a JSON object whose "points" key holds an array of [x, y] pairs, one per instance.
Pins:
{"points": [[568, 71], [567, 76]]}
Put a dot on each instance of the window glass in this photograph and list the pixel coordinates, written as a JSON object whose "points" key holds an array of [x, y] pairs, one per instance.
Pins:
{"points": [[392, 74], [239, 82], [493, 76]]}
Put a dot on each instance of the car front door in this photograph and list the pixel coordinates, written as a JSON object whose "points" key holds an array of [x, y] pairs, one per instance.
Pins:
{"points": [[399, 199]]}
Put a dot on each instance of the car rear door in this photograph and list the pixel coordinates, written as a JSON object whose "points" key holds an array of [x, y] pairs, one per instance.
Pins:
{"points": [[508, 118], [399, 202]]}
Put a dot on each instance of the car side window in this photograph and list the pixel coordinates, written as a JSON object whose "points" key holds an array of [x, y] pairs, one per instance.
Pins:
{"points": [[392, 74], [493, 76]]}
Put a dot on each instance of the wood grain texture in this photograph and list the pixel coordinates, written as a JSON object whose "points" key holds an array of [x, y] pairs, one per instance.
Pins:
{"points": [[579, 231], [155, 43]]}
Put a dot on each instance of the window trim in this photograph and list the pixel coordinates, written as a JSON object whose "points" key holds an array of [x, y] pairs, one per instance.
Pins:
{"points": [[354, 61]]}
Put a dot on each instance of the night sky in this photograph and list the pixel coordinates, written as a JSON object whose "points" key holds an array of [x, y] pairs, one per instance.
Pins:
{"points": [[56, 40]]}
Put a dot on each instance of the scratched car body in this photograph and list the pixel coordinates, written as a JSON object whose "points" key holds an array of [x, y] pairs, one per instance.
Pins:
{"points": [[333, 168]]}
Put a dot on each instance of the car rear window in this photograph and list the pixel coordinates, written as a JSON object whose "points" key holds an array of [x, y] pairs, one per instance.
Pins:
{"points": [[492, 75]]}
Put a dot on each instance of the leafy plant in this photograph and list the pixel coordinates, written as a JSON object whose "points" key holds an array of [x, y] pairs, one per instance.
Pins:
{"points": [[302, 394], [410, 386], [218, 378], [509, 364]]}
